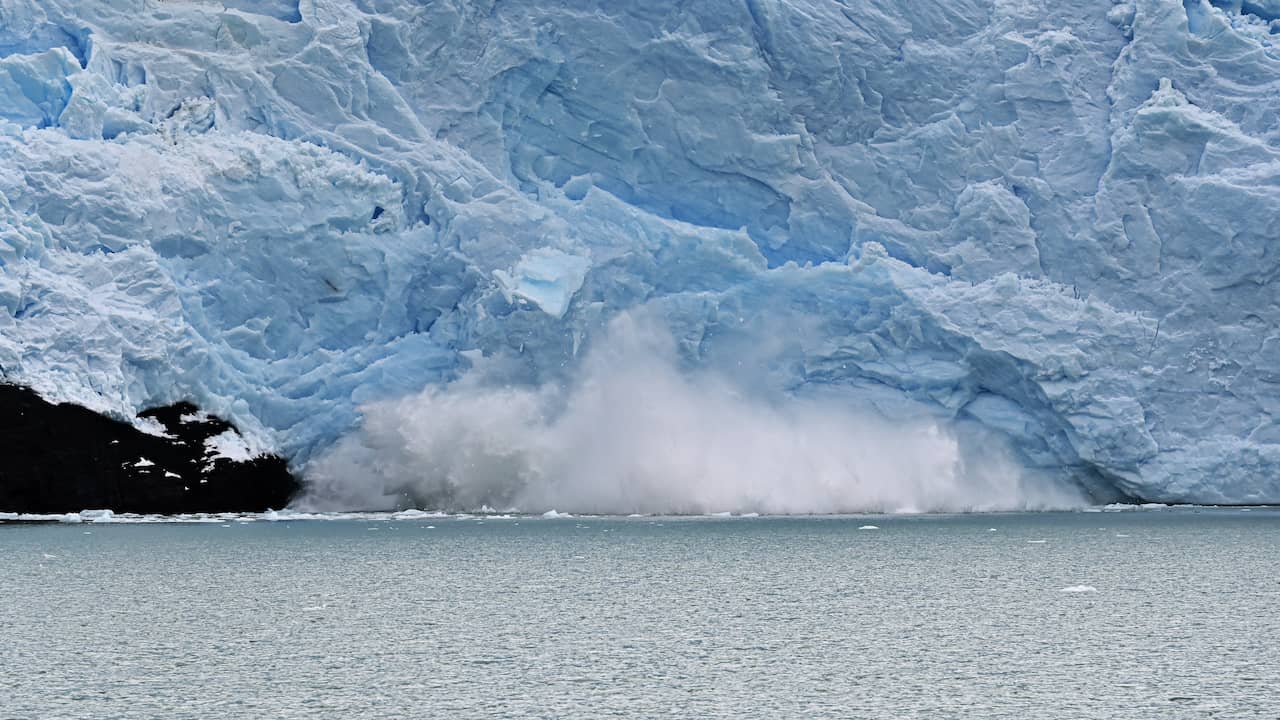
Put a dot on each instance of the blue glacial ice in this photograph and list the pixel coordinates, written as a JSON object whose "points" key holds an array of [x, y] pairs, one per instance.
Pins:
{"points": [[972, 253]]}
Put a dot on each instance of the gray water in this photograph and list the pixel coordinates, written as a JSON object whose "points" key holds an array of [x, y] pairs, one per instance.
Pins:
{"points": [[925, 617]]}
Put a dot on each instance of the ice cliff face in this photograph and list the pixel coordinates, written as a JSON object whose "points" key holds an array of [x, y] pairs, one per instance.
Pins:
{"points": [[1056, 222]]}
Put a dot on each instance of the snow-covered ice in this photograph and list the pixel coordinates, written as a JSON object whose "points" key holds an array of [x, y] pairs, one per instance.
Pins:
{"points": [[1044, 228], [229, 445]]}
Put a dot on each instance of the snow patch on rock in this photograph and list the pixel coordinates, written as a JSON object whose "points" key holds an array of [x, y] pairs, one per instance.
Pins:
{"points": [[229, 445]]}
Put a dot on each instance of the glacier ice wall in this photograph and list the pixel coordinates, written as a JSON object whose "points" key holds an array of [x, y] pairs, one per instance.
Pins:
{"points": [[1053, 222]]}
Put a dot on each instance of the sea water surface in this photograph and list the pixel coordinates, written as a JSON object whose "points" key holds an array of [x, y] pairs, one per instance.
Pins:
{"points": [[1152, 614]]}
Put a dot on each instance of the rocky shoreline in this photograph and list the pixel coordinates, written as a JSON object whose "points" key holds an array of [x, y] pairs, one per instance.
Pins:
{"points": [[57, 458]]}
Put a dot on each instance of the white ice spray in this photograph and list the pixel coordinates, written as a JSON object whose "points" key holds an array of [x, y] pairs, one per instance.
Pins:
{"points": [[637, 434]]}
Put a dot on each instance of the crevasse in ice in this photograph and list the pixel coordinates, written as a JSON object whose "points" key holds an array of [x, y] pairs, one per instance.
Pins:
{"points": [[1054, 221]]}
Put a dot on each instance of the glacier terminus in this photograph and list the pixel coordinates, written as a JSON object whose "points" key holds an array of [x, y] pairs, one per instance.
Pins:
{"points": [[732, 255]]}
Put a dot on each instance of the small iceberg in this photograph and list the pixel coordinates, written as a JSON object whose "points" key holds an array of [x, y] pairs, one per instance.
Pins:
{"points": [[97, 516]]}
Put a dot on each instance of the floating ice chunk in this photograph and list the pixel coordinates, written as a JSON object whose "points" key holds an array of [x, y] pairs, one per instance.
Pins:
{"points": [[1131, 507], [417, 515], [545, 277], [869, 527], [143, 462], [97, 516], [1079, 589], [41, 517], [1037, 542]]}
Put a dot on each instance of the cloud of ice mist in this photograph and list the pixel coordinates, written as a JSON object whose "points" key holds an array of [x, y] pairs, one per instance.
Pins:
{"points": [[635, 434]]}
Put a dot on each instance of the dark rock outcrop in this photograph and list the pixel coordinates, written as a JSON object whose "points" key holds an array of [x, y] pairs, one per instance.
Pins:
{"points": [[64, 458]]}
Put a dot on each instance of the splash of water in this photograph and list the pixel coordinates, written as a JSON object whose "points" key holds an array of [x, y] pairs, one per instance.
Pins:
{"points": [[636, 434]]}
